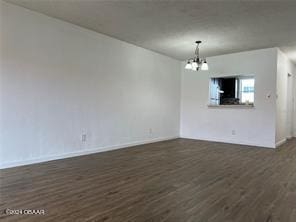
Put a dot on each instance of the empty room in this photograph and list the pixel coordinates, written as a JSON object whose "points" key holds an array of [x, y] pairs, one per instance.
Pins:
{"points": [[147, 110]]}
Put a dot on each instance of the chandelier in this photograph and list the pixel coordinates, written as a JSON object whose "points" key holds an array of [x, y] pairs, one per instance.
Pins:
{"points": [[197, 63]]}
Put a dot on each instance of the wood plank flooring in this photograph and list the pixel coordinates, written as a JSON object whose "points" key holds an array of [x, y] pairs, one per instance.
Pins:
{"points": [[174, 181]]}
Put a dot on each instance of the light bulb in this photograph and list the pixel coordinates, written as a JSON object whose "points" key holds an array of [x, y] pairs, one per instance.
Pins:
{"points": [[188, 65], [194, 65], [204, 66]]}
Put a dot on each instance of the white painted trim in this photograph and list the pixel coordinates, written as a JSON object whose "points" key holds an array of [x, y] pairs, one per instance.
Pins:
{"points": [[231, 142], [281, 142], [83, 152]]}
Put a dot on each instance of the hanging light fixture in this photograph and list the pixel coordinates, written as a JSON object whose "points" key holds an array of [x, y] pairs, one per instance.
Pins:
{"points": [[197, 63]]}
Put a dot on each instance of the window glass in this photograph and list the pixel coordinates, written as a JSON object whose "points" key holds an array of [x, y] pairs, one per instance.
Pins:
{"points": [[247, 91]]}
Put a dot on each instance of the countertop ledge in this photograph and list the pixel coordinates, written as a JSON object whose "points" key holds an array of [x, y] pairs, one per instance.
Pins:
{"points": [[232, 106]]}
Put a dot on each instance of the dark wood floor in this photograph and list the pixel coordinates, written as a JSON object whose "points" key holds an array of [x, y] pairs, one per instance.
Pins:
{"points": [[174, 181]]}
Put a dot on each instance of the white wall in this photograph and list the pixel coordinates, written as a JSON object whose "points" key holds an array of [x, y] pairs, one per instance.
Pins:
{"points": [[59, 81], [290, 105], [253, 126], [284, 104], [294, 100]]}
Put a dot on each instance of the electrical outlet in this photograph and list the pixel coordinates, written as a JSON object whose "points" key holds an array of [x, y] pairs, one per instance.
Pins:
{"points": [[83, 137], [233, 132]]}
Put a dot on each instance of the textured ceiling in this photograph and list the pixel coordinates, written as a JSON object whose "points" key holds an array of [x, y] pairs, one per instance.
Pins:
{"points": [[171, 27]]}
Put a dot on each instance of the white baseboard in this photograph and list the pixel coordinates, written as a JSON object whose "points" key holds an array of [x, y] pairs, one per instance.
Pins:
{"points": [[281, 142], [83, 152], [230, 141]]}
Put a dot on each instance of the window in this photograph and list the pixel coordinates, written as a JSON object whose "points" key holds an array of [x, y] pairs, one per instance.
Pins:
{"points": [[232, 90], [247, 91]]}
